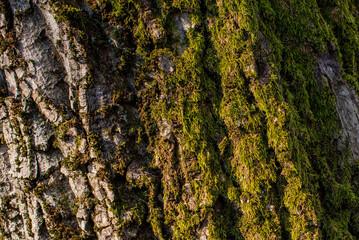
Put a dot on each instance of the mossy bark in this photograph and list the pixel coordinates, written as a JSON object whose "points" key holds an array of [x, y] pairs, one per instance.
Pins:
{"points": [[233, 125]]}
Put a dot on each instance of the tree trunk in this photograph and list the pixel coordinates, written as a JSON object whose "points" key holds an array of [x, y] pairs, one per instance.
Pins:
{"points": [[179, 119]]}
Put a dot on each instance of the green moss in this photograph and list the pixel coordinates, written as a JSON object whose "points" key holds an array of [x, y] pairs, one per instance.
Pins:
{"points": [[67, 11], [260, 114]]}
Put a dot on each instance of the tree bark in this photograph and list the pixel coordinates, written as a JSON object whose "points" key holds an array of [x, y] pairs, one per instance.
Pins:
{"points": [[179, 119]]}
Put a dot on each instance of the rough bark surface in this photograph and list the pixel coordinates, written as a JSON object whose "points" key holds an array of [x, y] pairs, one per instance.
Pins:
{"points": [[179, 119]]}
